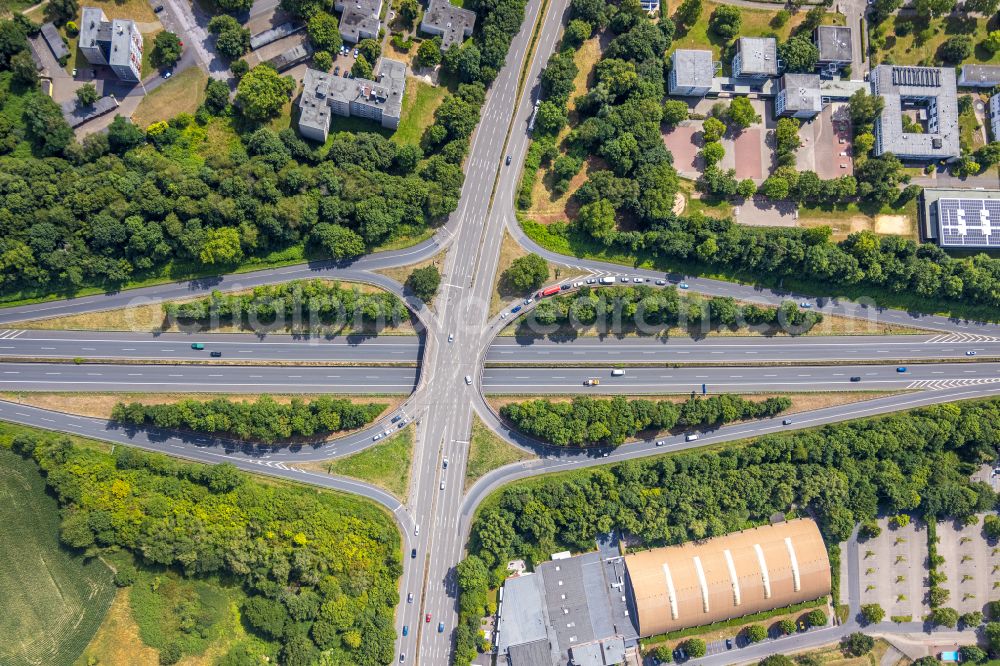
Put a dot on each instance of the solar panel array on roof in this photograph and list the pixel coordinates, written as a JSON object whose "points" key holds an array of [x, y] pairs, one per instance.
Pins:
{"points": [[969, 222], [925, 77]]}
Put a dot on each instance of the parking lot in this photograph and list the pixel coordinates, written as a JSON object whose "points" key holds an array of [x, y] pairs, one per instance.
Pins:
{"points": [[892, 567], [970, 563]]}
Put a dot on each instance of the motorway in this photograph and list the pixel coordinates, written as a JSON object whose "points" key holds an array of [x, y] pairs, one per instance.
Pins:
{"points": [[435, 520], [359, 349]]}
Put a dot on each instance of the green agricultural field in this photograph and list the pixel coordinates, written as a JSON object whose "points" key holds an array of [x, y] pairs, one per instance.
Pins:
{"points": [[53, 601]]}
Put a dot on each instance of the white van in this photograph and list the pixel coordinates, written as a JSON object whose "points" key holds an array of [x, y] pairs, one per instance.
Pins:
{"points": [[607, 280], [690, 438], [416, 530], [617, 372]]}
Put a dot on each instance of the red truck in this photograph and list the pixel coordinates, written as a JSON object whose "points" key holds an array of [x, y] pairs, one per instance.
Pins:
{"points": [[548, 292]]}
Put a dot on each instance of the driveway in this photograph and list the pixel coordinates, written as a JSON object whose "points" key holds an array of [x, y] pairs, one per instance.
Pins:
{"points": [[190, 24]]}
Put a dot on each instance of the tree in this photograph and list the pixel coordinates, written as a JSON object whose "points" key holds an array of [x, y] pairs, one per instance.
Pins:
{"points": [[262, 92], [935, 8], [61, 11], [429, 52], [598, 220], [577, 32], [865, 108], [755, 633], [369, 48], [695, 647], [322, 61], [361, 68], [550, 118], [86, 94], [526, 273], [776, 660], [742, 113], [323, 30], [663, 654], [883, 9], [424, 282], [992, 41], [232, 39], [798, 53], [13, 39], [984, 7], [726, 21], [775, 187], [23, 67], [222, 246], [900, 520], [166, 49], [712, 152], [713, 128], [786, 626], [44, 123], [972, 619], [944, 617], [992, 633], [216, 95], [688, 13], [409, 10], [816, 618], [235, 6], [746, 188], [872, 613], [858, 644], [955, 49], [973, 654], [239, 68], [674, 112]]}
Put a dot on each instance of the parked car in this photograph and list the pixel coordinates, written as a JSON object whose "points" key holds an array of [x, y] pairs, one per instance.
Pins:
{"points": [[167, 74], [336, 70], [444, 463], [591, 280], [729, 644], [624, 278], [157, 9]]}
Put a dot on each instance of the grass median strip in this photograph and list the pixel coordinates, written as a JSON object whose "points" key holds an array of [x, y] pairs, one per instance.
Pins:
{"points": [[386, 464], [488, 451]]}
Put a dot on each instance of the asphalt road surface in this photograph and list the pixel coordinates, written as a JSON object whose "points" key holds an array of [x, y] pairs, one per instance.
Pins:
{"points": [[233, 347], [761, 349], [734, 379], [204, 378]]}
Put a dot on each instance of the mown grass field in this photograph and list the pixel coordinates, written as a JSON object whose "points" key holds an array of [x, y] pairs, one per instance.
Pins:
{"points": [[386, 465], [488, 452], [53, 601], [420, 101]]}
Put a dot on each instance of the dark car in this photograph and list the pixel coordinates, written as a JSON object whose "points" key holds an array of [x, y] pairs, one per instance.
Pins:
{"points": [[413, 553], [508, 160], [516, 309], [855, 379], [566, 286], [216, 354], [729, 644], [158, 9]]}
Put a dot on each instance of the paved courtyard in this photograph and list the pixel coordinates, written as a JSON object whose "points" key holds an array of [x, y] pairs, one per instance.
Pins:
{"points": [[826, 143]]}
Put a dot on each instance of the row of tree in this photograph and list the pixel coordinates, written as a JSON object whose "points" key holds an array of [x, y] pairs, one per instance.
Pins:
{"points": [[262, 420], [321, 569], [641, 307], [295, 303], [586, 421]]}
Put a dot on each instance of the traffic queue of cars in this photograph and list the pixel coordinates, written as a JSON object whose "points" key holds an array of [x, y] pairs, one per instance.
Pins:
{"points": [[593, 282]]}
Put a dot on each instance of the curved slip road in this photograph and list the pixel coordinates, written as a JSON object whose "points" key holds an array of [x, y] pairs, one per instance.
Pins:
{"points": [[234, 347], [205, 378], [734, 379], [724, 349]]}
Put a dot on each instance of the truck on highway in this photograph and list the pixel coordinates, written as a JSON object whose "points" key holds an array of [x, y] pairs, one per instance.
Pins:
{"points": [[548, 292], [534, 114], [607, 280]]}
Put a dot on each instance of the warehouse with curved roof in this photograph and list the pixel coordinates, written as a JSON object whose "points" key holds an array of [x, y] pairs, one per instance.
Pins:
{"points": [[730, 576]]}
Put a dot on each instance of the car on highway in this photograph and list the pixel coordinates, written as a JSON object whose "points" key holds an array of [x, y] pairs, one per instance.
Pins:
{"points": [[617, 372], [376, 437], [805, 304], [605, 454], [786, 422], [624, 278], [402, 657], [416, 530], [855, 379], [440, 627], [901, 368], [413, 553], [444, 463], [565, 287], [396, 417], [591, 280], [409, 598], [515, 309], [427, 618], [215, 354], [661, 282], [660, 442], [591, 382], [690, 438], [507, 161], [442, 485], [970, 353], [683, 285], [529, 301], [468, 379], [406, 630], [451, 337], [198, 345], [637, 280]]}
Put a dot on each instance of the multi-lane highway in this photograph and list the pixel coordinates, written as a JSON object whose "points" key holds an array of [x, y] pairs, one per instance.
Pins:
{"points": [[99, 345], [777, 349], [734, 379]]}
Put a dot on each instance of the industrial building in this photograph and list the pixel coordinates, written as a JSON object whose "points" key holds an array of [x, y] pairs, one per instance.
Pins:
{"points": [[959, 218], [592, 609], [929, 96], [359, 19], [325, 94], [691, 72], [756, 58], [452, 23], [799, 97], [834, 45], [116, 43], [979, 76]]}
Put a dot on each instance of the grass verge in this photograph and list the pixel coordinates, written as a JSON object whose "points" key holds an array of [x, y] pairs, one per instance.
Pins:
{"points": [[510, 250], [487, 452], [420, 101], [386, 464], [183, 93]]}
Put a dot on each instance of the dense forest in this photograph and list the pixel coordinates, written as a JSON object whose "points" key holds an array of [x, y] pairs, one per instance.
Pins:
{"points": [[262, 420], [647, 308], [585, 420], [320, 568], [841, 474], [300, 303], [204, 193], [631, 180]]}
